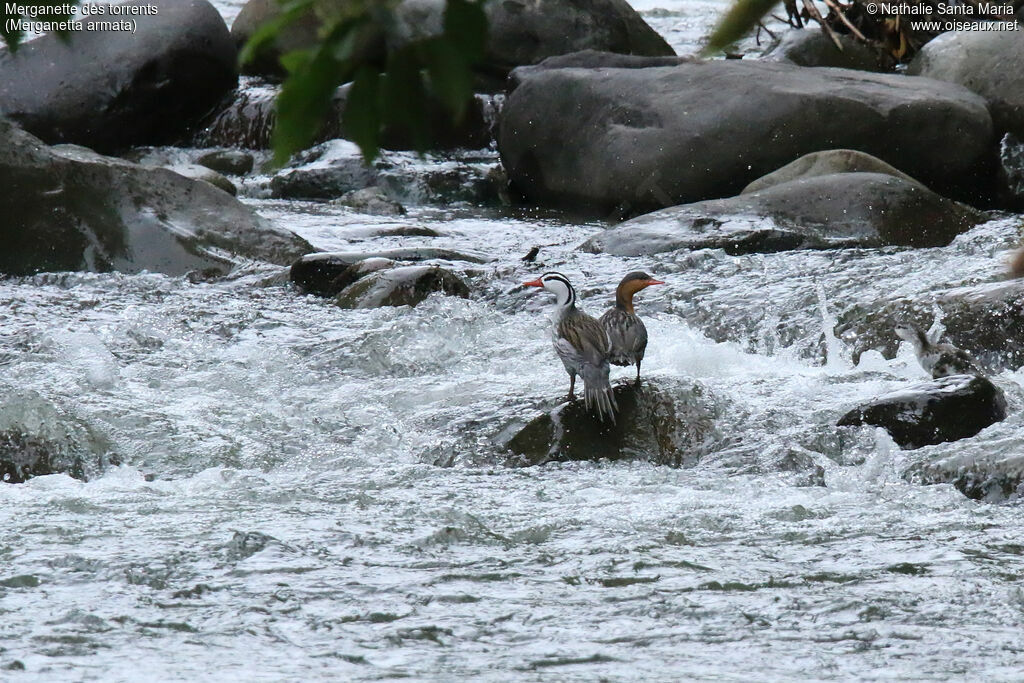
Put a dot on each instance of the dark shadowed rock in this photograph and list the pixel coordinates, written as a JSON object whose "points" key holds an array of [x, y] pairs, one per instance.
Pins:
{"points": [[247, 120], [403, 286], [227, 161], [37, 438], [653, 137], [838, 210], [666, 422], [985, 320], [113, 89], [986, 476], [298, 35], [318, 273], [326, 171], [68, 208], [813, 47], [944, 409], [990, 63]]}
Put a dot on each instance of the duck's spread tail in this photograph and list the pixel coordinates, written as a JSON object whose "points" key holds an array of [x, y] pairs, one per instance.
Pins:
{"points": [[597, 392]]}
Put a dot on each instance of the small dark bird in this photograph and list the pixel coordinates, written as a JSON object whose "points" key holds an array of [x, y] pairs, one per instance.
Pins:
{"points": [[531, 255], [625, 330], [1017, 264], [939, 360], [581, 343]]}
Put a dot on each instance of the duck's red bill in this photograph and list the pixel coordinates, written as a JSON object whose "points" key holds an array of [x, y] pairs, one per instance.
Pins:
{"points": [[533, 283], [655, 282]]}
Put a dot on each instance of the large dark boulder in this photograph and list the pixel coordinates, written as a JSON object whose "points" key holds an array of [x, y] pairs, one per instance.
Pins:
{"points": [[986, 320], [68, 208], [829, 211], [990, 63], [666, 422], [595, 138], [945, 409], [110, 89]]}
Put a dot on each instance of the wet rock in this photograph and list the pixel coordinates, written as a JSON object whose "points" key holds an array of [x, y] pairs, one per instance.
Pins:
{"points": [[666, 422], [800, 462], [1011, 172], [990, 63], [594, 139], [110, 90], [987, 476], [36, 438], [248, 121], [228, 161], [403, 286], [817, 212], [327, 171], [826, 162], [298, 35], [525, 32], [985, 320], [207, 175], [317, 273], [372, 200], [945, 409], [813, 47], [439, 181], [68, 208]]}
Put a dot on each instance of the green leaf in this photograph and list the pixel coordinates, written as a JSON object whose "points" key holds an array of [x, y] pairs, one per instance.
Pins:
{"points": [[362, 116], [14, 38], [304, 100], [741, 18], [404, 97], [465, 27]]}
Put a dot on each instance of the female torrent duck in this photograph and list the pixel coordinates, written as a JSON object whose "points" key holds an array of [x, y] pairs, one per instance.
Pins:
{"points": [[625, 330], [581, 343]]}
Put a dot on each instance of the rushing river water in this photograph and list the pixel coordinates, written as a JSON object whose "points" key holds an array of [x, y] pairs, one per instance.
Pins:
{"points": [[316, 493]]}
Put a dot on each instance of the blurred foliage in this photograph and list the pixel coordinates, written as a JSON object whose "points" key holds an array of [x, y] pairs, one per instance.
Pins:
{"points": [[740, 20], [66, 10], [435, 68]]}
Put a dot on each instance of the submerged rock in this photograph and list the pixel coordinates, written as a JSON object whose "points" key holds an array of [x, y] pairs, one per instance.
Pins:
{"points": [[326, 171], [36, 439], [597, 138], [111, 89], [68, 208], [228, 161], [990, 63], [403, 286], [986, 320], [987, 476], [812, 47], [372, 200], [207, 175], [945, 409], [665, 422], [318, 273], [829, 211]]}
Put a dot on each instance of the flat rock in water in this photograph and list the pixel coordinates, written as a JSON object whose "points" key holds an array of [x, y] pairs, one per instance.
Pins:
{"points": [[228, 161], [318, 273], [661, 421], [945, 409], [990, 63], [112, 89], [817, 212], [990, 476], [68, 208], [986, 320], [646, 138], [403, 286]]}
